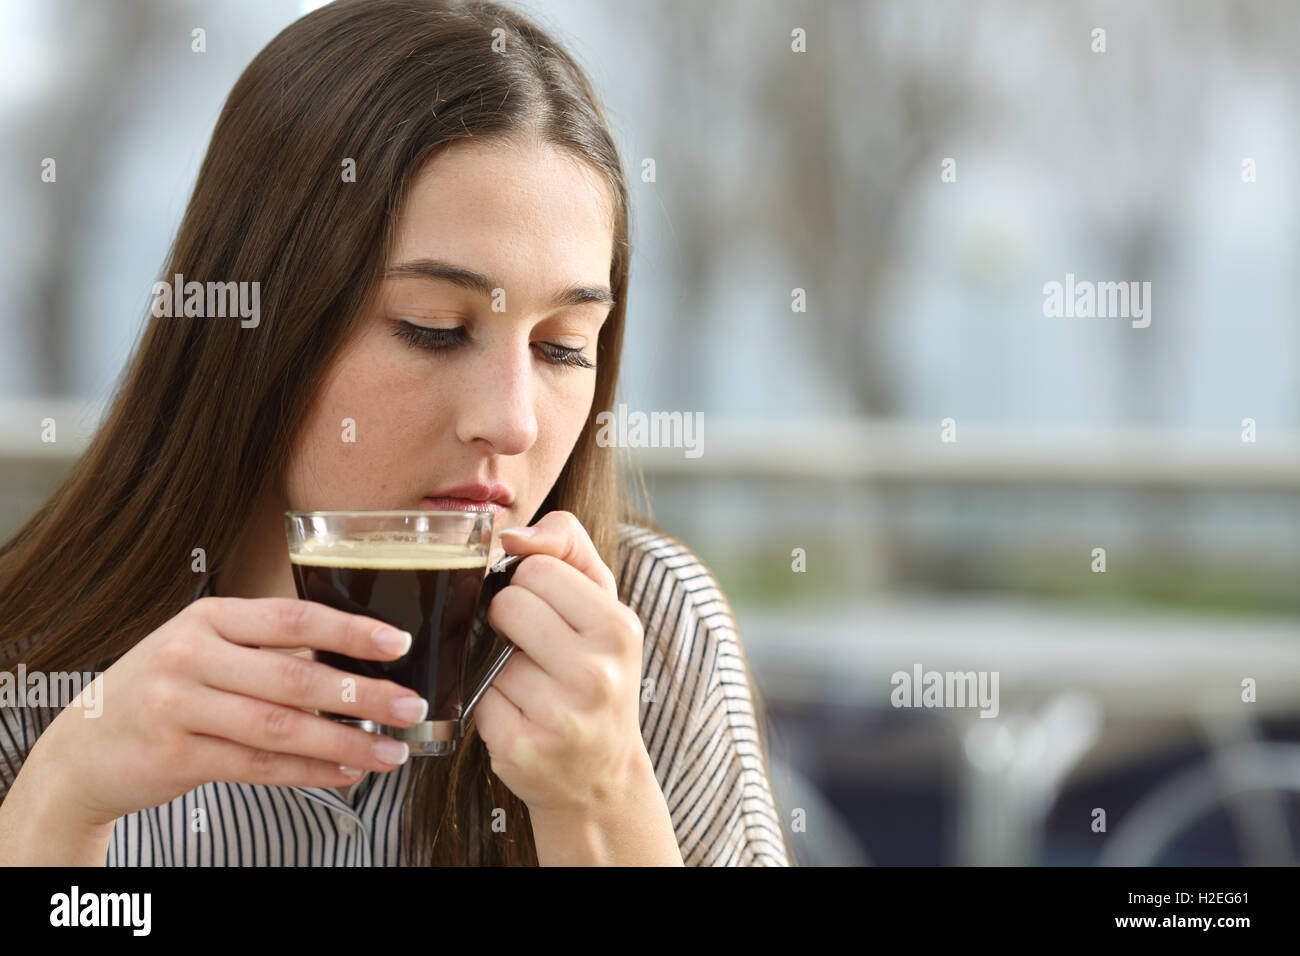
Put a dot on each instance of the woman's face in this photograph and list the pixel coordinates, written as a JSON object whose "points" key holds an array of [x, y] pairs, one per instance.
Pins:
{"points": [[497, 404]]}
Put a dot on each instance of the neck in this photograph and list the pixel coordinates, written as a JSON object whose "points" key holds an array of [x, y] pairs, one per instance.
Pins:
{"points": [[259, 563]]}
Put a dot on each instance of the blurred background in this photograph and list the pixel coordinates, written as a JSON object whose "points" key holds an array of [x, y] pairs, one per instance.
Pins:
{"points": [[918, 467]]}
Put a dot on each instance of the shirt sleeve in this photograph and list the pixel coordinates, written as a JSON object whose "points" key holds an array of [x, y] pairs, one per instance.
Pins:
{"points": [[698, 713]]}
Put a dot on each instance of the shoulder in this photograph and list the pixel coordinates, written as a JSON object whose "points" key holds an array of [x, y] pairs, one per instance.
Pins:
{"points": [[700, 713], [664, 581]]}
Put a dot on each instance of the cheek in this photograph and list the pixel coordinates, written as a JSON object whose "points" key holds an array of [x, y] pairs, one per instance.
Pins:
{"points": [[575, 412], [364, 427], [559, 426]]}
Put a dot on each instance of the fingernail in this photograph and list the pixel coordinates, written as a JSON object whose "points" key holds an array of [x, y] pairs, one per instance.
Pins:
{"points": [[387, 750], [410, 709], [392, 641], [350, 771], [522, 532]]}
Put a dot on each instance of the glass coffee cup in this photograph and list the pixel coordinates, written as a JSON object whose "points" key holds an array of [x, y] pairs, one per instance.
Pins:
{"points": [[425, 572]]}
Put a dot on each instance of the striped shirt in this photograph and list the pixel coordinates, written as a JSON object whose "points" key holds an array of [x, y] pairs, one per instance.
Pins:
{"points": [[707, 761]]}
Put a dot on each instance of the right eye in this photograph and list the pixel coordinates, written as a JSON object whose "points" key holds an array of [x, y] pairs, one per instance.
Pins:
{"points": [[420, 336]]}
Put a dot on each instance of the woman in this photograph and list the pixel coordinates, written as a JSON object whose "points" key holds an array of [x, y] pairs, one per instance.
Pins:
{"points": [[430, 201]]}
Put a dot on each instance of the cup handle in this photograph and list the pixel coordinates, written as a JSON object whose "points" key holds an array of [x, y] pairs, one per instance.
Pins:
{"points": [[506, 566], [492, 672]]}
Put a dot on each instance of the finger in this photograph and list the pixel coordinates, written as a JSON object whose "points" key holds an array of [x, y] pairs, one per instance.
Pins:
{"points": [[581, 604], [561, 534], [284, 679], [530, 689], [266, 726], [228, 761], [497, 718], [535, 627], [290, 623]]}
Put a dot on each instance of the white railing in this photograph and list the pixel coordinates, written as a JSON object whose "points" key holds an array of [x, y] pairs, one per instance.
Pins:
{"points": [[874, 451], [866, 450]]}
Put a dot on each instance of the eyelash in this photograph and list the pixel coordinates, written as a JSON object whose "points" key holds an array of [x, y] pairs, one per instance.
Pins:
{"points": [[419, 336]]}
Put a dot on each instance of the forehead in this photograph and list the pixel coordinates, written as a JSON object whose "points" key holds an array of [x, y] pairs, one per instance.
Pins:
{"points": [[531, 214]]}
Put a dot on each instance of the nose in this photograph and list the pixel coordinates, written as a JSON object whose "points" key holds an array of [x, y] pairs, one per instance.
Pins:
{"points": [[496, 403]]}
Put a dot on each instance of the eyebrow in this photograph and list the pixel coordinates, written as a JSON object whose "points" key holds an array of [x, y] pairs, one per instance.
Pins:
{"points": [[484, 285]]}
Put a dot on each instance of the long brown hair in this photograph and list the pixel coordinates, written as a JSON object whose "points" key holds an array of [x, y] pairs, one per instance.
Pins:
{"points": [[205, 415]]}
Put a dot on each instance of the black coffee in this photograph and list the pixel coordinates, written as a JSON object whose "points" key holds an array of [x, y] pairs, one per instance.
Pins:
{"points": [[432, 592]]}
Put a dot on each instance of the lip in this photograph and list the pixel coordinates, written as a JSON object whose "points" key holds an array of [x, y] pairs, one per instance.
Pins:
{"points": [[476, 492], [446, 503]]}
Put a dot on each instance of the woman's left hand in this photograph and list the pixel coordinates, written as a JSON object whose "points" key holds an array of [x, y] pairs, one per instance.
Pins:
{"points": [[561, 720]]}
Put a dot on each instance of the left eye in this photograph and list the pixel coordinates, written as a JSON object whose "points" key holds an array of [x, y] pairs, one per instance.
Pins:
{"points": [[420, 336]]}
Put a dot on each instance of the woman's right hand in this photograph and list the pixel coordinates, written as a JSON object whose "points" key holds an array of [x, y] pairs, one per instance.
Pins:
{"points": [[203, 698]]}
